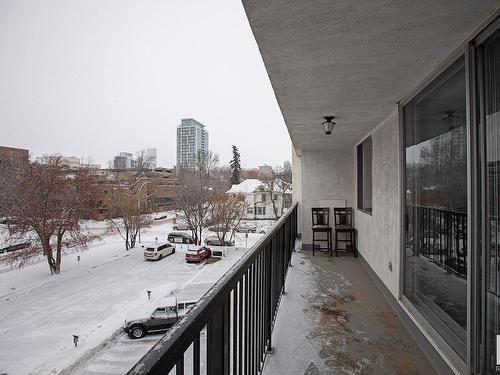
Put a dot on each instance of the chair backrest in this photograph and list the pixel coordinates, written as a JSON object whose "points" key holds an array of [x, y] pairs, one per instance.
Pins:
{"points": [[343, 216], [320, 216]]}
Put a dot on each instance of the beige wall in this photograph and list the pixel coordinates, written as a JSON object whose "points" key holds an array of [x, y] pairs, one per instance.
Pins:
{"points": [[379, 233], [322, 176], [297, 181], [325, 176]]}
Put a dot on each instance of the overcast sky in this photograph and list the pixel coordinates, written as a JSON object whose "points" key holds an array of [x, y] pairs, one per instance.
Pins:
{"points": [[93, 78]]}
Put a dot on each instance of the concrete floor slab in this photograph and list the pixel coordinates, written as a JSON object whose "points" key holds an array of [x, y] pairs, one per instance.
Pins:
{"points": [[334, 320]]}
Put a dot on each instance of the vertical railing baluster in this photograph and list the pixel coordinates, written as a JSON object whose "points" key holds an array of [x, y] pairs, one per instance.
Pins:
{"points": [[240, 328], [227, 334], [252, 319], [196, 355], [179, 367], [261, 309], [247, 324], [218, 341], [235, 328], [259, 317]]}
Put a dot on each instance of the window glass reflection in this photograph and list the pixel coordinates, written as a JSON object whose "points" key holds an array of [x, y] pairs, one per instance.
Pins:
{"points": [[436, 205]]}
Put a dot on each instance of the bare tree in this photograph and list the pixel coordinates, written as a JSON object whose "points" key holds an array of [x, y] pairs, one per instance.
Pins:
{"points": [[44, 204], [227, 211], [269, 180], [143, 162], [284, 182], [127, 215], [194, 194]]}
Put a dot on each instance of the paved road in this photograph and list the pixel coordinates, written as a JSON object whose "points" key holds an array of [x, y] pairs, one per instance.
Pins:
{"points": [[37, 323]]}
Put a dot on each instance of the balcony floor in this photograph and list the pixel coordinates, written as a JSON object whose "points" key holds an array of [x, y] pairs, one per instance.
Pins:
{"points": [[334, 320]]}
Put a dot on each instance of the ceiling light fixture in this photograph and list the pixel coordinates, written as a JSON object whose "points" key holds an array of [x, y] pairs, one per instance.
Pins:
{"points": [[328, 124]]}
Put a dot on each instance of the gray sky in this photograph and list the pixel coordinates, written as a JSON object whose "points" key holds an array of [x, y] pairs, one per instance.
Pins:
{"points": [[92, 78]]}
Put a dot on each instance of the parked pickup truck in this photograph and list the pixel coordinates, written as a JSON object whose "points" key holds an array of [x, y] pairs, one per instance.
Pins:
{"points": [[164, 316], [168, 311]]}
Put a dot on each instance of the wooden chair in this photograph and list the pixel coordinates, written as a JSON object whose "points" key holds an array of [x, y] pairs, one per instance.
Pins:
{"points": [[321, 224], [343, 225]]}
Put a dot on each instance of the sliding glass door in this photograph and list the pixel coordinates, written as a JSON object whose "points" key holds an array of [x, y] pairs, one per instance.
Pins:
{"points": [[488, 122], [436, 215], [451, 236]]}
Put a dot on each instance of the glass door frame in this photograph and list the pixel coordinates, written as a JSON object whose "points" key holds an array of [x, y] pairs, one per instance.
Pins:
{"points": [[477, 132], [475, 203]]}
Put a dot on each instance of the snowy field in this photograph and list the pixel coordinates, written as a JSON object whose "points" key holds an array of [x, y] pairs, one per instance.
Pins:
{"points": [[39, 313]]}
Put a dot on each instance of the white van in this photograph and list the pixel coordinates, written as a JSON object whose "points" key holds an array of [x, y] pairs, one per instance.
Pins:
{"points": [[158, 251]]}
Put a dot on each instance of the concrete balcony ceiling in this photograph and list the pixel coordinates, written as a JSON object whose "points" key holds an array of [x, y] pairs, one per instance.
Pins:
{"points": [[353, 59]]}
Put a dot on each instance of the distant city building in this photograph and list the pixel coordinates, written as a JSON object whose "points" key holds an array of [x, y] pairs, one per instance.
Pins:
{"points": [[14, 155], [151, 156], [90, 166], [192, 139], [123, 160], [69, 161]]}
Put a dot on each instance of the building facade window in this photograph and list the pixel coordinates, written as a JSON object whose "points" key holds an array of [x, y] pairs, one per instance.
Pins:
{"points": [[435, 253], [260, 211], [364, 169]]}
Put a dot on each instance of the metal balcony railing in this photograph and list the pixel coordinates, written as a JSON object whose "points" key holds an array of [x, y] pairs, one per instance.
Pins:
{"points": [[238, 313], [440, 235]]}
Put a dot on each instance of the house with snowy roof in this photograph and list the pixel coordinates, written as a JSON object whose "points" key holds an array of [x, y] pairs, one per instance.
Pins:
{"points": [[266, 200]]}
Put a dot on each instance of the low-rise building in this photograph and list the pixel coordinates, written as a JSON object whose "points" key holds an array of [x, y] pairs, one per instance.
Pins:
{"points": [[158, 185], [262, 202], [14, 155]]}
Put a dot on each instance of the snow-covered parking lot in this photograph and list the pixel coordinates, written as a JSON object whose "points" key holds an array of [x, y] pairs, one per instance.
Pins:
{"points": [[40, 313]]}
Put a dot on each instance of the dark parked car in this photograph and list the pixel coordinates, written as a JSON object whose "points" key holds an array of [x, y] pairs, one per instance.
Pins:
{"points": [[15, 247], [198, 255], [214, 241], [216, 229], [182, 226], [246, 228], [180, 237], [161, 319]]}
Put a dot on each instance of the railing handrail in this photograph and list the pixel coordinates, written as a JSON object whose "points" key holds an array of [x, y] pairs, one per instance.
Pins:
{"points": [[181, 335], [438, 209]]}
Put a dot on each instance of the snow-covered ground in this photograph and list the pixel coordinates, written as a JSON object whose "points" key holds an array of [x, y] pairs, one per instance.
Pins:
{"points": [[39, 313]]}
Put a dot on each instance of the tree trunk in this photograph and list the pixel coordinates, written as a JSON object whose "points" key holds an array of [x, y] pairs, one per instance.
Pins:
{"points": [[275, 209], [126, 239], [47, 250], [133, 237], [59, 251]]}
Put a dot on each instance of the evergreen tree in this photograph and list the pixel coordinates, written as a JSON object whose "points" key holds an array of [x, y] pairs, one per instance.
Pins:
{"points": [[235, 166]]}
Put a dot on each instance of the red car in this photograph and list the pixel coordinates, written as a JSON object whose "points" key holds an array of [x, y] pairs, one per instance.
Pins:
{"points": [[198, 255]]}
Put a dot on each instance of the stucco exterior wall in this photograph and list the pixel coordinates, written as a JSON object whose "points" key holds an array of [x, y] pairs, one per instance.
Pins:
{"points": [[297, 182], [379, 233], [327, 176]]}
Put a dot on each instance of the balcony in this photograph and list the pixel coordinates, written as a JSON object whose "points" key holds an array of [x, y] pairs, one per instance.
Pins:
{"points": [[415, 153]]}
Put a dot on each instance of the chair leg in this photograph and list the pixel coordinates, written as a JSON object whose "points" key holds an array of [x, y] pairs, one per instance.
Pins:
{"points": [[355, 247], [314, 242], [330, 247], [336, 244]]}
